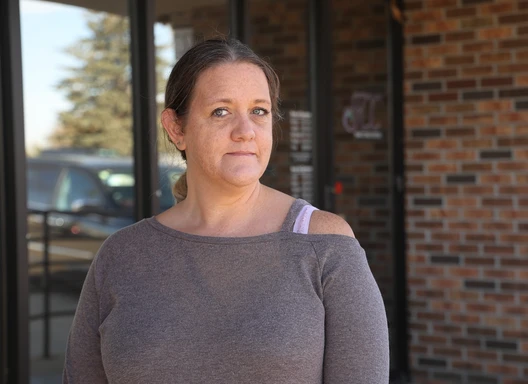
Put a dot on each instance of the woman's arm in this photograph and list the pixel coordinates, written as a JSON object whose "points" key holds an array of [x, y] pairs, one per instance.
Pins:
{"points": [[83, 363], [356, 331]]}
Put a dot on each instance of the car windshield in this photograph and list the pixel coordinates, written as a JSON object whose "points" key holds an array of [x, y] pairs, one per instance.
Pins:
{"points": [[120, 183]]}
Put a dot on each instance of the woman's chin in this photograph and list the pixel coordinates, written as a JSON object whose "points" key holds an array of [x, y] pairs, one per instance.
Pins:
{"points": [[243, 178]]}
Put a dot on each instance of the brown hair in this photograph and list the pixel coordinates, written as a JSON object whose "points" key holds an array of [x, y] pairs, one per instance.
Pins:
{"points": [[202, 56]]}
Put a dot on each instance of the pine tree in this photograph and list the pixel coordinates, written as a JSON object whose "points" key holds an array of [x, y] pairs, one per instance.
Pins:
{"points": [[99, 89]]}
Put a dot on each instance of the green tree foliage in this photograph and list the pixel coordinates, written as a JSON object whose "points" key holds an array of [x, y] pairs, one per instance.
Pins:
{"points": [[99, 88]]}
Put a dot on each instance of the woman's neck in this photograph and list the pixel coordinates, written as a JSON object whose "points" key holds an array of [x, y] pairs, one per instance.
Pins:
{"points": [[216, 211]]}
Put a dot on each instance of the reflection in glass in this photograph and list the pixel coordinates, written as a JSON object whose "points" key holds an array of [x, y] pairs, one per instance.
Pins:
{"points": [[78, 121]]}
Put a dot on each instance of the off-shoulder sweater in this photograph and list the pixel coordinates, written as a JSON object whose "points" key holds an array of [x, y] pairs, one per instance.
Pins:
{"points": [[163, 306]]}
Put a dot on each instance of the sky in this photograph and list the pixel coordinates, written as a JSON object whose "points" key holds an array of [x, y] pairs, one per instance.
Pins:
{"points": [[46, 29]]}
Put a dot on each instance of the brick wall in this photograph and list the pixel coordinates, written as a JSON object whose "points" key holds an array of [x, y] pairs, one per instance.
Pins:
{"points": [[466, 138]]}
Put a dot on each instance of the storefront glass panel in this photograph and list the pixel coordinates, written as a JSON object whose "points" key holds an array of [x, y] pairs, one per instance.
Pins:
{"points": [[78, 129]]}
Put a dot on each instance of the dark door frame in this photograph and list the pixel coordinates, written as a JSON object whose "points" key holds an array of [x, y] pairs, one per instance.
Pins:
{"points": [[13, 249], [401, 372]]}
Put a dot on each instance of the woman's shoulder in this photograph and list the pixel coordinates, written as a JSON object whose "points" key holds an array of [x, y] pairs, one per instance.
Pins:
{"points": [[327, 223]]}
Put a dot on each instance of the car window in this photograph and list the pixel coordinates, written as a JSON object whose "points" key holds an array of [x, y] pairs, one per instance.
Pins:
{"points": [[120, 183], [79, 187], [41, 181]]}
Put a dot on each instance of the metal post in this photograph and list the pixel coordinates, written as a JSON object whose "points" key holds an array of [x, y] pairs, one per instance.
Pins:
{"points": [[144, 106], [237, 20], [13, 250], [395, 70], [47, 287], [321, 102]]}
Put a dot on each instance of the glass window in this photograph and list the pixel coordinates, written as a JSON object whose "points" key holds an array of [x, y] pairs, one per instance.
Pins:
{"points": [[79, 189], [41, 182], [78, 111]]}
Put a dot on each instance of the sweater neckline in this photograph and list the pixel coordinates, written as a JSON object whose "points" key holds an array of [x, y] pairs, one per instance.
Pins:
{"points": [[283, 232]]}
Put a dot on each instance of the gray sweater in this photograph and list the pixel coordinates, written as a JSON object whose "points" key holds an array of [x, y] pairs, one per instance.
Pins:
{"points": [[162, 306]]}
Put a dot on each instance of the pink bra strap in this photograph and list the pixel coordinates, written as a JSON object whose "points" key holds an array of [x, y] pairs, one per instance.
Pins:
{"points": [[302, 222]]}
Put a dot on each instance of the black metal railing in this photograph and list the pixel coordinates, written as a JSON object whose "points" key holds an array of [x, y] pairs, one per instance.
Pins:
{"points": [[46, 263]]}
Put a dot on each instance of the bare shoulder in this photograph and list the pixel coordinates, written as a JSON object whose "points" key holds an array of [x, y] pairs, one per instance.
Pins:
{"points": [[323, 222]]}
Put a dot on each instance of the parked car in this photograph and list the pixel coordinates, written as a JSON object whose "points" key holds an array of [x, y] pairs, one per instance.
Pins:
{"points": [[79, 186]]}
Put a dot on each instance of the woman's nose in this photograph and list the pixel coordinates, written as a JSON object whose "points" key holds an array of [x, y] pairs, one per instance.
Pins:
{"points": [[244, 129]]}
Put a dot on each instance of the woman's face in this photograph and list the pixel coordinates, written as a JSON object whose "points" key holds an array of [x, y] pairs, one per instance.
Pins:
{"points": [[227, 133]]}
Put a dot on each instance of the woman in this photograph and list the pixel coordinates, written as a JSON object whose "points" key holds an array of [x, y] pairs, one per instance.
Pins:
{"points": [[237, 283]]}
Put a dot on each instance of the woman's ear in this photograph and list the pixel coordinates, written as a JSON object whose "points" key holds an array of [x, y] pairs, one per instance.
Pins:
{"points": [[174, 127]]}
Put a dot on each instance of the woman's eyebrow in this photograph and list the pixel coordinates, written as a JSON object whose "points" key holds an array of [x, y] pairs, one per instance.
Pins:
{"points": [[230, 101]]}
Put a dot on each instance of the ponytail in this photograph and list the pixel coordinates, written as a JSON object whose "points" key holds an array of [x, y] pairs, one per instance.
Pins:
{"points": [[179, 190]]}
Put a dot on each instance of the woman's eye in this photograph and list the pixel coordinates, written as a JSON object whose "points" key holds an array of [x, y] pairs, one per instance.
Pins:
{"points": [[220, 112], [260, 111]]}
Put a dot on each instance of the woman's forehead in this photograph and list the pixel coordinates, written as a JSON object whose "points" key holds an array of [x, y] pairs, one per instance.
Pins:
{"points": [[230, 80]]}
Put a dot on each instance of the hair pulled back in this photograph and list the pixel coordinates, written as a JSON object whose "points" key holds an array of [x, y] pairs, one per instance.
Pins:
{"points": [[200, 57]]}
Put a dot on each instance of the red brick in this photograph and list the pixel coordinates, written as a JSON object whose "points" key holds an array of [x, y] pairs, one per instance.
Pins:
{"points": [[463, 225], [457, 84], [442, 73], [495, 57], [482, 355], [460, 36], [446, 305], [512, 68], [462, 272], [495, 33], [500, 130], [461, 12], [480, 237], [462, 201], [441, 3], [426, 15], [499, 297], [476, 22], [459, 60], [483, 118], [479, 307], [496, 81], [446, 96], [503, 369], [495, 105], [497, 202], [495, 179], [430, 339], [450, 352], [441, 26], [480, 46], [461, 155], [497, 226], [442, 120], [467, 366], [460, 107], [499, 274], [435, 213]]}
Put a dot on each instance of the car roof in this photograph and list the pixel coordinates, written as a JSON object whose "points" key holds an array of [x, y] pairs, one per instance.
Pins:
{"points": [[90, 161]]}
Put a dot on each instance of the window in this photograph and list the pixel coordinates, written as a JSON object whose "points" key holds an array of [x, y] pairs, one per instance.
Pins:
{"points": [[79, 188], [41, 181]]}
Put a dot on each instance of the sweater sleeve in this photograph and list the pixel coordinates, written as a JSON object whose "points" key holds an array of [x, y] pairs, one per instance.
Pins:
{"points": [[83, 363], [356, 330]]}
